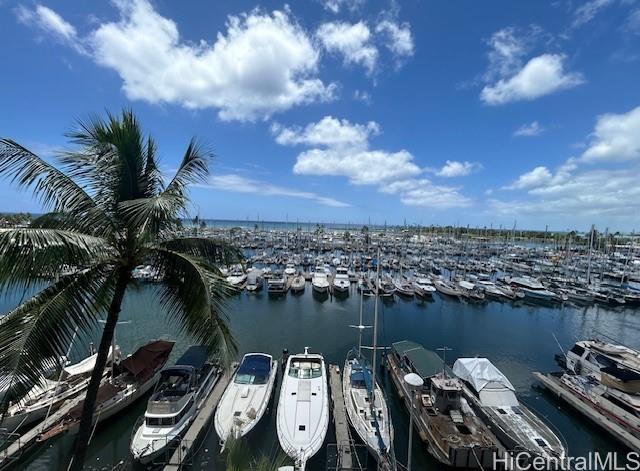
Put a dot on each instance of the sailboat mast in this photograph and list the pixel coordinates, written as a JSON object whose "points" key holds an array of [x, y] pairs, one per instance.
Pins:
{"points": [[375, 321], [360, 323]]}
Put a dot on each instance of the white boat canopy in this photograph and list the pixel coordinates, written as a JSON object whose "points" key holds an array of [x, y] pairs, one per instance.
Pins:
{"points": [[85, 366], [494, 389]]}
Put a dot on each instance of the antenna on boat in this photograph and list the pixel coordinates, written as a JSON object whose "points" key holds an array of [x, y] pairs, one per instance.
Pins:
{"points": [[306, 350], [444, 351]]}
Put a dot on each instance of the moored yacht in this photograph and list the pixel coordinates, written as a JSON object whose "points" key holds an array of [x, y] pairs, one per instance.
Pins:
{"points": [[178, 396], [298, 284], [589, 357], [255, 280], [303, 408], [320, 280], [492, 397], [341, 281], [454, 434], [247, 396], [423, 287], [277, 283]]}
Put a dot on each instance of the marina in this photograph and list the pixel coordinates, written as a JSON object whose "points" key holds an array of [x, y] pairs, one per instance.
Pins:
{"points": [[268, 322]]}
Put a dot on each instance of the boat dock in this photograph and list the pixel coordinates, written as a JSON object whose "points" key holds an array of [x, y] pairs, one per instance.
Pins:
{"points": [[24, 441], [205, 414], [340, 420], [554, 385]]}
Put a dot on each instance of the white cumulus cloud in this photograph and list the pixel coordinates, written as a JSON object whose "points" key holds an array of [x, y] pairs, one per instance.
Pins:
{"points": [[453, 168], [342, 149], [533, 179], [540, 76], [263, 63], [352, 41], [616, 138], [399, 39]]}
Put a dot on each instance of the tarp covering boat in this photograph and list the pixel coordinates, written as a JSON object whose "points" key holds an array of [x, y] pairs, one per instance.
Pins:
{"points": [[494, 389], [143, 362], [422, 361]]}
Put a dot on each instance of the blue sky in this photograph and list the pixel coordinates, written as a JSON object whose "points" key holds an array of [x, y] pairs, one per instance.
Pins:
{"points": [[468, 112]]}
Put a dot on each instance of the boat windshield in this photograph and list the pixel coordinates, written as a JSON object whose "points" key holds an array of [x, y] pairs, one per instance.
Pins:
{"points": [[255, 369], [305, 369]]}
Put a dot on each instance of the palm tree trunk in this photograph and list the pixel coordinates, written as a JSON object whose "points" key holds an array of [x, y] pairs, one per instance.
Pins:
{"points": [[86, 420]]}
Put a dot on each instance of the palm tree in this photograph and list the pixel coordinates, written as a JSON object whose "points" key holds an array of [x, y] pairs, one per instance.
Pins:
{"points": [[110, 210]]}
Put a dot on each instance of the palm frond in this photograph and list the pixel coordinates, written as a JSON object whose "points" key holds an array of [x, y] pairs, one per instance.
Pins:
{"points": [[39, 331], [52, 187], [195, 298], [153, 214], [27, 256], [194, 168]]}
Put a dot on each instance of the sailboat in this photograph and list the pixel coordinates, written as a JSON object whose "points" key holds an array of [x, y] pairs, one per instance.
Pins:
{"points": [[48, 395], [130, 379], [364, 400]]}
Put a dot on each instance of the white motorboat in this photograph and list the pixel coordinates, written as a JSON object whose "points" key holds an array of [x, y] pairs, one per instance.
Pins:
{"points": [[277, 283], [237, 278], [404, 287], [423, 287], [131, 379], [247, 396], [255, 280], [49, 394], [492, 396], [532, 288], [180, 393], [303, 408], [590, 357], [298, 284], [341, 283], [320, 280], [366, 405], [290, 269]]}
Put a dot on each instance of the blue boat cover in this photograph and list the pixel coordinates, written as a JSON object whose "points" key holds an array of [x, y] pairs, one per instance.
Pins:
{"points": [[195, 356], [255, 365]]}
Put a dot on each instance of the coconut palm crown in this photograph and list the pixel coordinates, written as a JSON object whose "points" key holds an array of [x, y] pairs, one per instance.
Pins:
{"points": [[110, 210]]}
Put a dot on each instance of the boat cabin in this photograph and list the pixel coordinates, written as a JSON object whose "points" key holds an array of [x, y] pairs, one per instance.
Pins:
{"points": [[254, 369]]}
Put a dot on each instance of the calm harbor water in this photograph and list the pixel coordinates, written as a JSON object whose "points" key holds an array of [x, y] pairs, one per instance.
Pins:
{"points": [[517, 338]]}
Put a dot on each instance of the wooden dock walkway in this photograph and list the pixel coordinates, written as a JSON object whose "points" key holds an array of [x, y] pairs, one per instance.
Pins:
{"points": [[340, 419], [554, 385], [10, 454], [205, 414]]}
